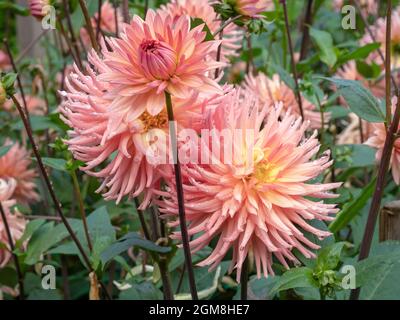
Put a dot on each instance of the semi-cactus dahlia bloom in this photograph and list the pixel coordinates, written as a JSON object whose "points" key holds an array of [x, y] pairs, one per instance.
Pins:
{"points": [[260, 202], [36, 8], [273, 91], [15, 165], [114, 140], [377, 140], [232, 35], [15, 220], [108, 24], [156, 55]]}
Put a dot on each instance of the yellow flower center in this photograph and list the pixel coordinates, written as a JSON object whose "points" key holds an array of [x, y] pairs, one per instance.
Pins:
{"points": [[264, 170]]}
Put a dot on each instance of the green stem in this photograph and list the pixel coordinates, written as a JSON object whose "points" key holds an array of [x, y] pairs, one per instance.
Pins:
{"points": [[81, 208]]}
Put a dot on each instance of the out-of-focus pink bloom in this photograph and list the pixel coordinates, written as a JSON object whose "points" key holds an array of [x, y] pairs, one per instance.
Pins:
{"points": [[272, 91], [349, 72], [252, 8], [260, 201], [37, 8], [117, 144], [15, 220], [232, 35], [379, 30], [110, 19], [377, 140], [235, 71], [368, 6], [4, 61], [35, 105], [15, 165]]}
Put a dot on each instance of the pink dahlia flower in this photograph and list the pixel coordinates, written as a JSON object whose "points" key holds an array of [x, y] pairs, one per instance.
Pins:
{"points": [[108, 24], [114, 140], [272, 91], [379, 31], [15, 220], [35, 105], [4, 61], [259, 202], [232, 35], [15, 165], [252, 8], [37, 8], [377, 140]]}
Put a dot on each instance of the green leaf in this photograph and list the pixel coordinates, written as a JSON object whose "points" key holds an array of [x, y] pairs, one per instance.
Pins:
{"points": [[324, 42], [8, 81], [195, 22], [360, 100], [46, 237], [255, 52], [337, 112], [329, 257], [130, 240], [142, 291], [259, 289], [359, 53], [31, 227], [5, 149], [353, 208], [38, 123], [368, 71], [378, 274], [55, 163], [295, 278], [8, 277], [353, 156], [102, 235], [179, 258], [16, 8], [101, 231], [42, 294]]}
